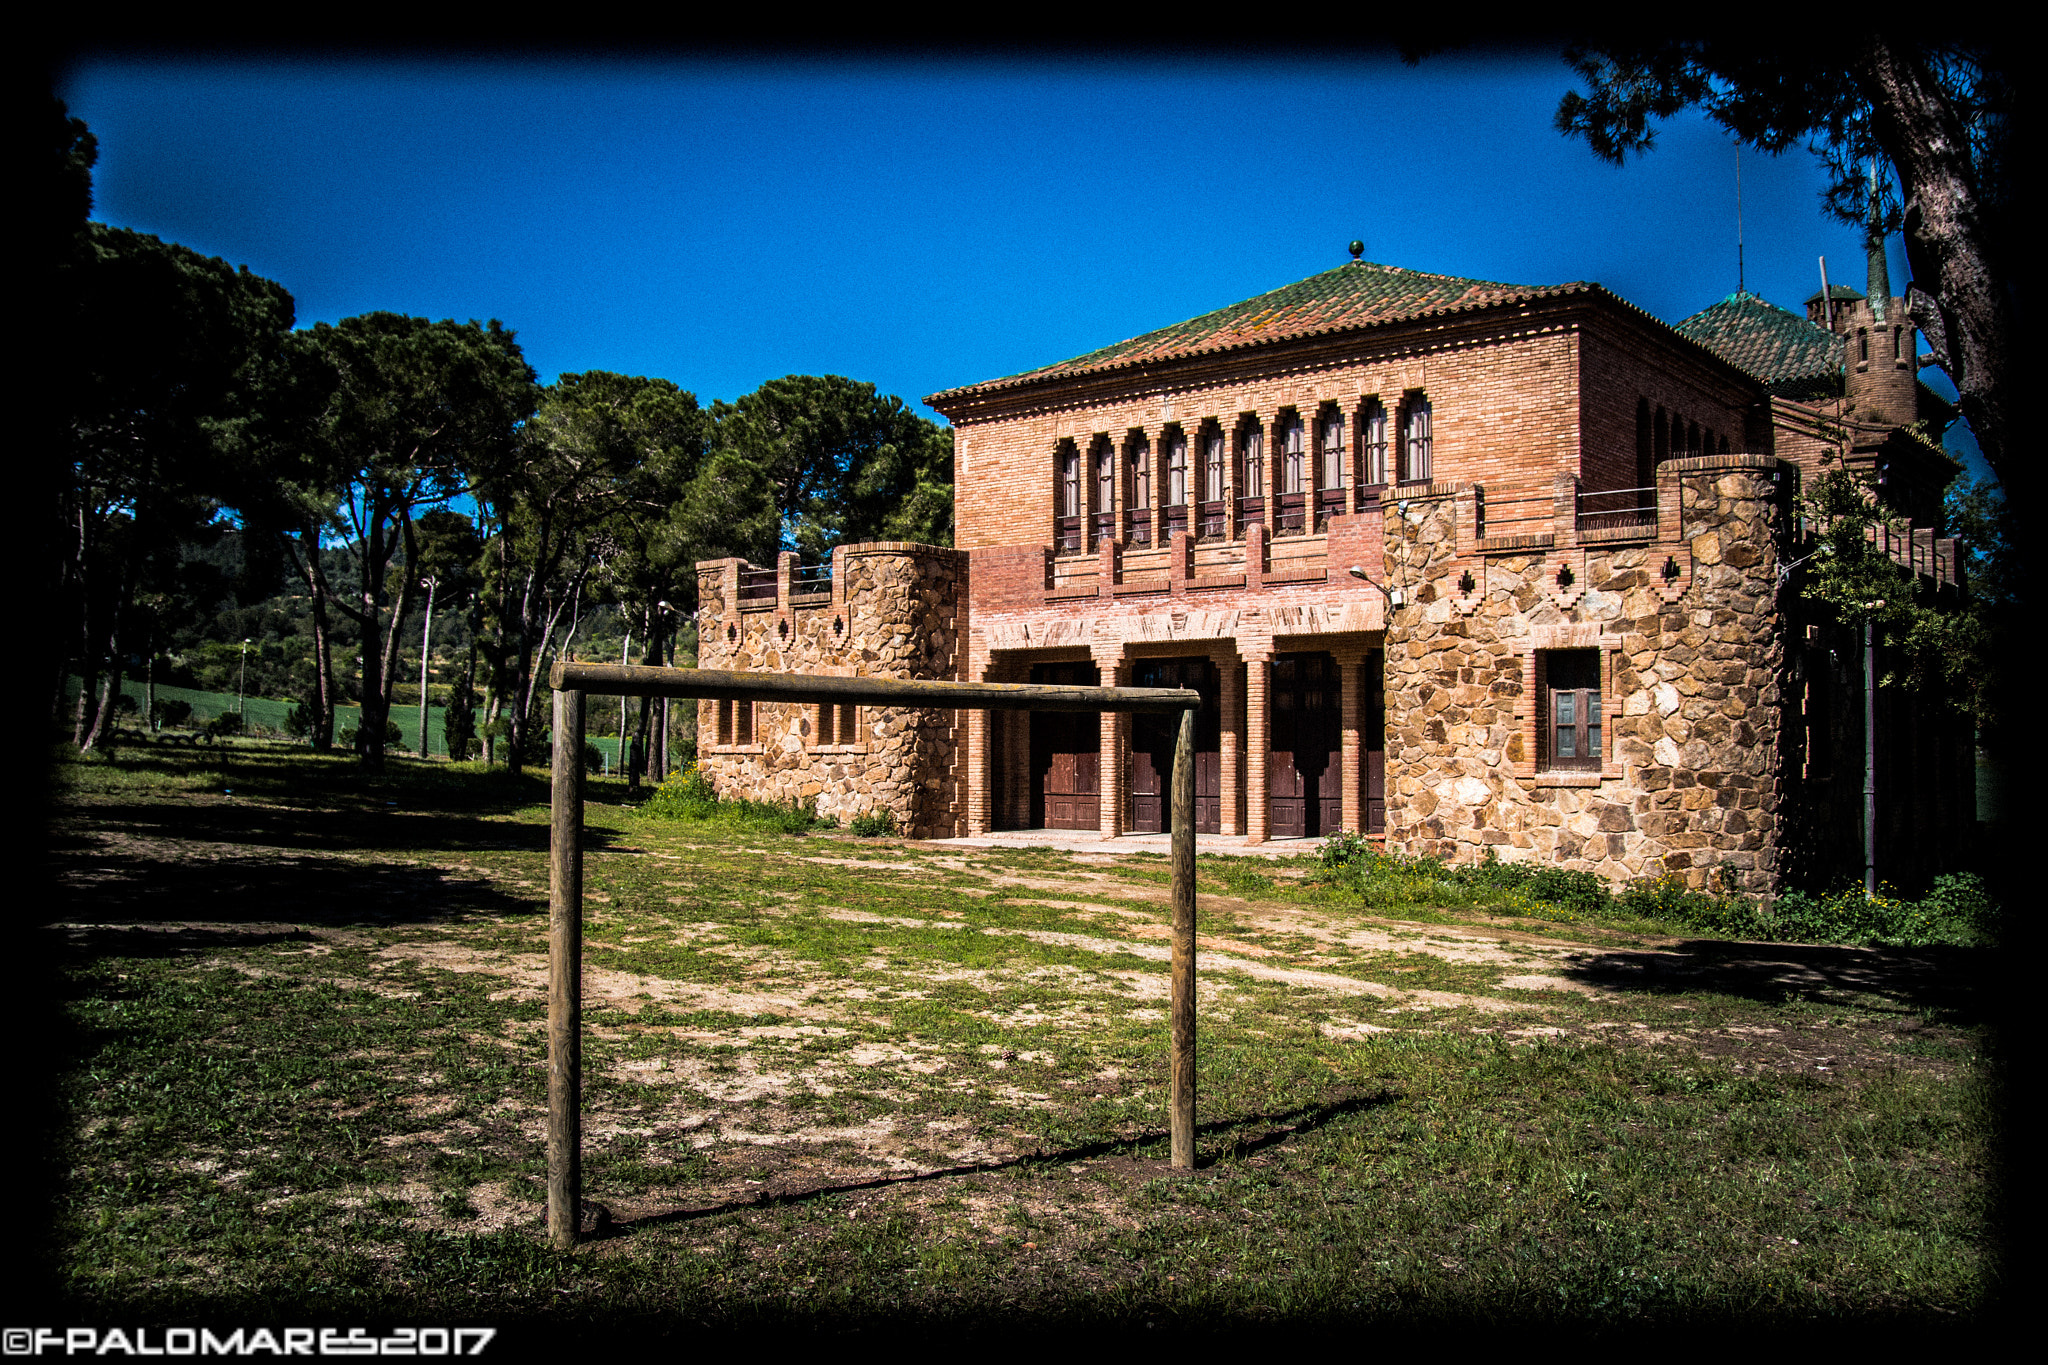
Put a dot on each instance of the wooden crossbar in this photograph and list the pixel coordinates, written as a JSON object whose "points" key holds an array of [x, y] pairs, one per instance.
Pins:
{"points": [[573, 681], [634, 680]]}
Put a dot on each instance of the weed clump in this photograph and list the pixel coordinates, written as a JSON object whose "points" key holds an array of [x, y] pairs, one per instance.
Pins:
{"points": [[689, 795], [1957, 910], [877, 823]]}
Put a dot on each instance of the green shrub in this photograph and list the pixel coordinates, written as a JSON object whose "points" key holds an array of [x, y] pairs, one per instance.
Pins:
{"points": [[689, 795], [877, 823], [173, 713], [298, 722], [1957, 910]]}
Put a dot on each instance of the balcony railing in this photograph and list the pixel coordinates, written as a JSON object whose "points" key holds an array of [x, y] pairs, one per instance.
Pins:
{"points": [[757, 585], [811, 580], [1525, 514], [1212, 521], [1618, 510]]}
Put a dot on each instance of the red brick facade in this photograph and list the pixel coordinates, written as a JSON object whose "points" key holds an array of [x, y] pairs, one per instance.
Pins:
{"points": [[1397, 655]]}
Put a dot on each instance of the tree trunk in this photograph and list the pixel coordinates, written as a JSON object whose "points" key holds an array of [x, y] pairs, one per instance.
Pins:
{"points": [[1950, 244], [110, 696]]}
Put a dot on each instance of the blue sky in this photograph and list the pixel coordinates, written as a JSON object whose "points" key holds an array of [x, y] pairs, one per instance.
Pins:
{"points": [[919, 223]]}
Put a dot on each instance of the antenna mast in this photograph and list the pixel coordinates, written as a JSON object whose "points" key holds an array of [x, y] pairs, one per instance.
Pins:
{"points": [[1740, 284]]}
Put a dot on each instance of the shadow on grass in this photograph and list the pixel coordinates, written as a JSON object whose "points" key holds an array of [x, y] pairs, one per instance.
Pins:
{"points": [[1252, 1134], [1945, 979], [262, 845]]}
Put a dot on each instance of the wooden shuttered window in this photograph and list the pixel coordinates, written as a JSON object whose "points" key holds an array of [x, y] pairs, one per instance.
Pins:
{"points": [[1568, 680]]}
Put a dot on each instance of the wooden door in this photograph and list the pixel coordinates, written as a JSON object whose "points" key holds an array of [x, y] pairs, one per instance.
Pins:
{"points": [[1305, 766], [1152, 744], [1066, 756]]}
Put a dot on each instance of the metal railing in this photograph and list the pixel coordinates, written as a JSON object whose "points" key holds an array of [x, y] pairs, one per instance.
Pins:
{"points": [[1617, 509], [757, 585], [1526, 515], [811, 580]]}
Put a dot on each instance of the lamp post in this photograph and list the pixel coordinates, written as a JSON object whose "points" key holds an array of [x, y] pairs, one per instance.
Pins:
{"points": [[241, 687], [658, 746], [426, 643]]}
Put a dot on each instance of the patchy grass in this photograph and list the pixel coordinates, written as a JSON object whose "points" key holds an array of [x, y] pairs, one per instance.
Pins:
{"points": [[840, 1082]]}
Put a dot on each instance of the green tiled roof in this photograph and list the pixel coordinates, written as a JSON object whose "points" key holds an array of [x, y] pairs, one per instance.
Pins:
{"points": [[1793, 357], [1354, 295], [1838, 292]]}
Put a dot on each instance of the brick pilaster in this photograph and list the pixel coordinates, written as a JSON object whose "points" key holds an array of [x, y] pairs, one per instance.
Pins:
{"points": [[1349, 674], [1258, 677], [1114, 670], [1230, 819]]}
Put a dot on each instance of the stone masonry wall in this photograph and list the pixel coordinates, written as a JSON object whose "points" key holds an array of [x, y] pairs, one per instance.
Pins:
{"points": [[893, 611], [1691, 644]]}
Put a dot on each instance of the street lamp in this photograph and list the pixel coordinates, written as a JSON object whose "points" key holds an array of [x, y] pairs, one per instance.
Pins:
{"points": [[241, 687], [1394, 598]]}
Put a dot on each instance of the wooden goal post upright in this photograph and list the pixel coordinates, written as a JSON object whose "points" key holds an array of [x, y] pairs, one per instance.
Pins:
{"points": [[573, 681]]}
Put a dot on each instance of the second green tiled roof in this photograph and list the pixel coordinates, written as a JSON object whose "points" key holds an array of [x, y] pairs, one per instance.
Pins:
{"points": [[1788, 353], [1356, 294]]}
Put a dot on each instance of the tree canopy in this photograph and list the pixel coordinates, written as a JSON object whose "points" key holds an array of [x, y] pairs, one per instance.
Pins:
{"points": [[1879, 108]]}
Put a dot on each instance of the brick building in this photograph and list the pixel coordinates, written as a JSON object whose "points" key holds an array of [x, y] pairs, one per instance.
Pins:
{"points": [[1468, 565]]}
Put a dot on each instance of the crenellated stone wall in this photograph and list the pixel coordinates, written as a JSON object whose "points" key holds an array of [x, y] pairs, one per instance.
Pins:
{"points": [[891, 610], [1690, 642]]}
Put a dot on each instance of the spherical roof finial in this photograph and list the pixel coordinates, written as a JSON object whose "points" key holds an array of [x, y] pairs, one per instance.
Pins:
{"points": [[1357, 250]]}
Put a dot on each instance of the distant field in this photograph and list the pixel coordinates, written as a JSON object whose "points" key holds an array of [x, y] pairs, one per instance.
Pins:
{"points": [[836, 1083], [268, 715]]}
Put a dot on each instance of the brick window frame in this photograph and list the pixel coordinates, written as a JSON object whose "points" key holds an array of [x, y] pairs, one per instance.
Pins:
{"points": [[835, 729], [1418, 438], [1373, 447], [1070, 499], [734, 727], [1176, 480], [1137, 489], [1332, 457], [1531, 711]]}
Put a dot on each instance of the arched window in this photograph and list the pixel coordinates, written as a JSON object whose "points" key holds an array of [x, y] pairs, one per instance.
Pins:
{"points": [[1176, 482], [1213, 469], [1251, 474], [1862, 346], [1417, 459], [1374, 429], [1213, 519], [1329, 465], [1293, 458], [1138, 497], [1071, 509], [1105, 489], [1294, 474]]}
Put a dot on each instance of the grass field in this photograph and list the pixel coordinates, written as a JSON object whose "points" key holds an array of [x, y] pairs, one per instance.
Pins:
{"points": [[836, 1083]]}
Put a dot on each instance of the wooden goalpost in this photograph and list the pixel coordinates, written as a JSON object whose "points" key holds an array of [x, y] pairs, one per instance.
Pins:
{"points": [[573, 682]]}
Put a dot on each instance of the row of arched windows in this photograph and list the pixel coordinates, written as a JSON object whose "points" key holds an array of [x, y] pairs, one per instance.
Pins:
{"points": [[1219, 481], [1662, 435]]}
